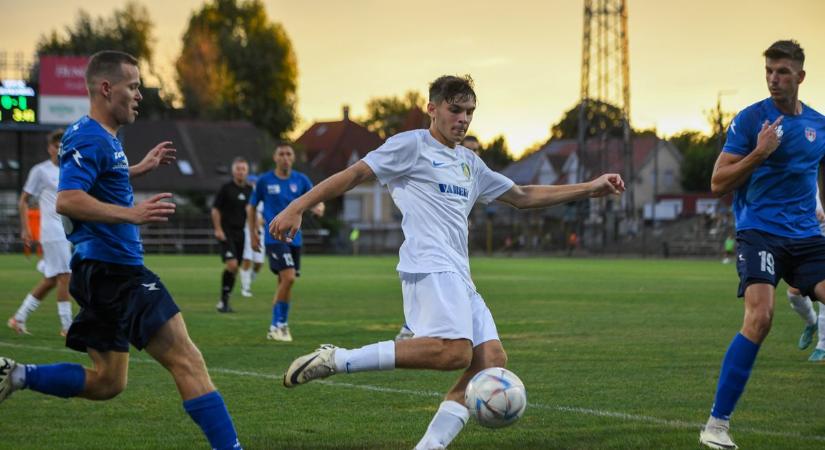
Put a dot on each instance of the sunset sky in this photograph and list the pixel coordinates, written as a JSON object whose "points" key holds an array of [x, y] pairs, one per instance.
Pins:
{"points": [[525, 56]]}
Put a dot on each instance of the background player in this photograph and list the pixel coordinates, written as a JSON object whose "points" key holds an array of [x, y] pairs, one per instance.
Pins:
{"points": [[229, 219], [804, 307], [42, 184], [253, 260], [276, 190], [434, 182], [121, 301], [770, 160]]}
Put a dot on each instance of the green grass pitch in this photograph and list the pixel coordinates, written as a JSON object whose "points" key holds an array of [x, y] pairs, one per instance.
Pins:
{"points": [[615, 354]]}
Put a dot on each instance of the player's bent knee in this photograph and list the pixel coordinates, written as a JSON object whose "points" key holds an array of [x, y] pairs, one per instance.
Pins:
{"points": [[457, 355], [106, 387]]}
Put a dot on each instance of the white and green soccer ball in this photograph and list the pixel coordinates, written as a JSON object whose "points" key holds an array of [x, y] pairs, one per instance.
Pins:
{"points": [[496, 397]]}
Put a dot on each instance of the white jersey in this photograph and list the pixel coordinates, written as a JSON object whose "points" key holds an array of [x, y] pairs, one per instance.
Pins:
{"points": [[42, 183], [435, 187]]}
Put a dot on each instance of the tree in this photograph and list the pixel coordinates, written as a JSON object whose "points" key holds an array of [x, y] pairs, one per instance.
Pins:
{"points": [[128, 30], [496, 154], [386, 115], [700, 151], [699, 154], [236, 64], [602, 117]]}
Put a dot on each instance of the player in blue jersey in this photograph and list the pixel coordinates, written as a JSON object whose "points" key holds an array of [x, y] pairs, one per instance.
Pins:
{"points": [[276, 190], [121, 301], [773, 154]]}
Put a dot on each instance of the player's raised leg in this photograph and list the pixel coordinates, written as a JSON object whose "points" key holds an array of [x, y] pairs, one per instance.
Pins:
{"points": [[172, 348]]}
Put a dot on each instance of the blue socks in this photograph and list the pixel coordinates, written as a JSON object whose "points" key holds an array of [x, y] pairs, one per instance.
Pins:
{"points": [[210, 413], [736, 369], [61, 380], [280, 313]]}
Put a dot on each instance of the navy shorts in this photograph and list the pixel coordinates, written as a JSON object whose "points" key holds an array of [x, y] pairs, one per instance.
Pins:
{"points": [[232, 247], [767, 258], [118, 305], [283, 256]]}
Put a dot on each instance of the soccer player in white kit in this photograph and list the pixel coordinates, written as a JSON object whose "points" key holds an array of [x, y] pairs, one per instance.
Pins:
{"points": [[253, 260], [42, 184], [804, 307], [434, 182]]}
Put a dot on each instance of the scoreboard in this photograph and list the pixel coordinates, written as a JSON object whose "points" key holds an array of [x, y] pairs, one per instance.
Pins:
{"points": [[18, 102]]}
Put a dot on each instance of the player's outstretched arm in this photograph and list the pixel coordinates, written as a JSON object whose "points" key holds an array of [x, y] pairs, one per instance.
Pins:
{"points": [[79, 205], [731, 170], [161, 154], [538, 196], [284, 226]]}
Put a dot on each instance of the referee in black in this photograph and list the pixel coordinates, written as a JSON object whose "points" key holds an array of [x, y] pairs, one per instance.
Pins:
{"points": [[229, 220]]}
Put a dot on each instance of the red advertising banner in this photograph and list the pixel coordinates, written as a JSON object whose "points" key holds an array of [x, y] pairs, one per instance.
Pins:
{"points": [[63, 75]]}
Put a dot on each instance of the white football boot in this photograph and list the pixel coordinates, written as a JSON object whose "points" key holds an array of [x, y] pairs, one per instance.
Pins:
{"points": [[313, 366], [715, 435], [6, 367]]}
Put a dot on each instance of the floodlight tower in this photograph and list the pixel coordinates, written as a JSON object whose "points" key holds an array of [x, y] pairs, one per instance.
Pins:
{"points": [[605, 90]]}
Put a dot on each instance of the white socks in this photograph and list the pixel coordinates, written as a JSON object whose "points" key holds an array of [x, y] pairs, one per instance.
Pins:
{"points": [[64, 311], [29, 305], [18, 377], [821, 344], [246, 278], [803, 307], [445, 426], [379, 356]]}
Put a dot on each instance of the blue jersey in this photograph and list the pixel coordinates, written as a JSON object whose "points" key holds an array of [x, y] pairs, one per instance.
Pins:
{"points": [[276, 193], [780, 195], [93, 161]]}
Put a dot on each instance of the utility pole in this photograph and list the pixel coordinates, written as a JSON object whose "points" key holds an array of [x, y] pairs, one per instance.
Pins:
{"points": [[605, 83]]}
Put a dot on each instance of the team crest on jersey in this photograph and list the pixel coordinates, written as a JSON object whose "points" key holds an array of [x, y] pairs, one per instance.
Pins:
{"points": [[273, 188], [780, 131], [466, 169], [241, 196], [293, 187], [810, 134]]}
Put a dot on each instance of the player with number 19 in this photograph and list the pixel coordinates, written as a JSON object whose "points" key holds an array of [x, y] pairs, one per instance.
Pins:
{"points": [[774, 151]]}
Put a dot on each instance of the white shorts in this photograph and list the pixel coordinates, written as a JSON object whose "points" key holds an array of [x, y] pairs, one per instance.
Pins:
{"points": [[56, 258], [248, 254], [442, 305]]}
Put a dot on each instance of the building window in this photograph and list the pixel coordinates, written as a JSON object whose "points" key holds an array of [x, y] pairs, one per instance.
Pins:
{"points": [[352, 208], [669, 178]]}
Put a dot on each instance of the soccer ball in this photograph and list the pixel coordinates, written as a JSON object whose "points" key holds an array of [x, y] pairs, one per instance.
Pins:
{"points": [[496, 397]]}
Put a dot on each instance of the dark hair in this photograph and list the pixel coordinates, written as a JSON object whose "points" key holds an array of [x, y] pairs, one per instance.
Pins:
{"points": [[55, 136], [107, 64], [470, 138], [789, 49], [452, 89], [240, 159], [283, 143]]}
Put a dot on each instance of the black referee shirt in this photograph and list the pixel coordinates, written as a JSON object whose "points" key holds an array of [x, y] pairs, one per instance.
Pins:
{"points": [[231, 201]]}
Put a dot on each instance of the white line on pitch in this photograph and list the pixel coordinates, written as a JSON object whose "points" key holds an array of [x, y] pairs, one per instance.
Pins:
{"points": [[566, 409]]}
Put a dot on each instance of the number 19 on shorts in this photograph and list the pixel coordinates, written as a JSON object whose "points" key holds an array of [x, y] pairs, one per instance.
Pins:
{"points": [[766, 262]]}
